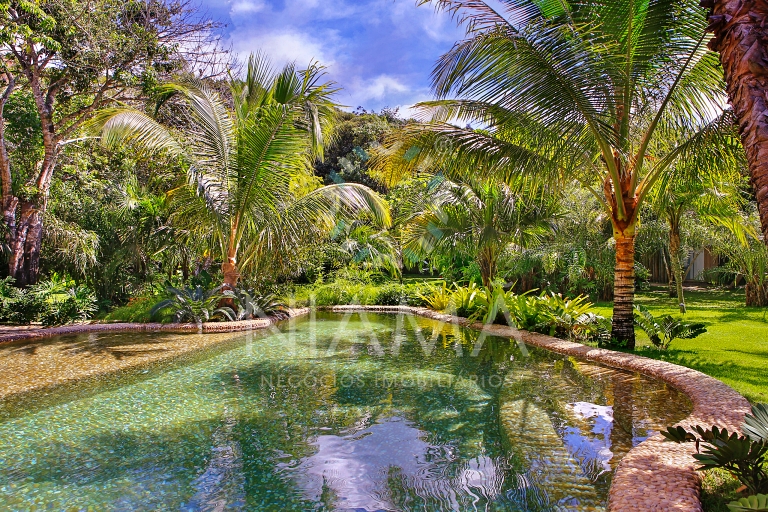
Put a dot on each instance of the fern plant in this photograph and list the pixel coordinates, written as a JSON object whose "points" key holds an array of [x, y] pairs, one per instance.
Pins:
{"points": [[663, 331]]}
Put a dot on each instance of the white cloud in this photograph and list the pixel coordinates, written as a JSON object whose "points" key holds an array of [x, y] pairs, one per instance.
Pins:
{"points": [[282, 47], [379, 87], [247, 6]]}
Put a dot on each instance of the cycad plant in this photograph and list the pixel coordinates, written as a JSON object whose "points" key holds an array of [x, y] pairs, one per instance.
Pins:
{"points": [[582, 90], [250, 191], [477, 217]]}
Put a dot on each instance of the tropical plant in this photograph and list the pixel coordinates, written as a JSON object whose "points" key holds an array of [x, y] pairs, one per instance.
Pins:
{"points": [[478, 218], [757, 503], [572, 90], [663, 331], [368, 246], [746, 261], [249, 304], [744, 456], [437, 298], [251, 191], [192, 304], [55, 301]]}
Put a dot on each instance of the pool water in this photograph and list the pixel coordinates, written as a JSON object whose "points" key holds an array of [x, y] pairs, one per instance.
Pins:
{"points": [[360, 412]]}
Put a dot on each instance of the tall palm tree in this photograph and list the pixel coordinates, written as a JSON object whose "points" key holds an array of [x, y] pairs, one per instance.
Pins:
{"points": [[741, 37], [573, 89], [249, 190], [477, 218]]}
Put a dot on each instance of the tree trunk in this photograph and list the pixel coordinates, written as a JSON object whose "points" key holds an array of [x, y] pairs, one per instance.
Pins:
{"points": [[741, 36], [24, 239], [231, 274], [624, 289], [677, 266], [670, 274], [756, 294], [487, 263]]}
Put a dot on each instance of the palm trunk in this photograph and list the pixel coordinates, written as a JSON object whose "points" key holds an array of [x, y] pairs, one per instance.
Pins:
{"points": [[741, 36], [624, 290], [487, 264], [756, 294], [231, 274], [677, 266]]}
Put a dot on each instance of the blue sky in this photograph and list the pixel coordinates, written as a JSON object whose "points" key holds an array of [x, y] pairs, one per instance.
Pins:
{"points": [[380, 51]]}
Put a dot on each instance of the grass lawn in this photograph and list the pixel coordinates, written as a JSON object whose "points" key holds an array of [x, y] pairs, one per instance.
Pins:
{"points": [[735, 347]]}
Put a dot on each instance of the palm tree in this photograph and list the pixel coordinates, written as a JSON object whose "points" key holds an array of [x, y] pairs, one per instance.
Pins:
{"points": [[582, 90], [478, 218], [250, 189], [741, 36], [711, 201]]}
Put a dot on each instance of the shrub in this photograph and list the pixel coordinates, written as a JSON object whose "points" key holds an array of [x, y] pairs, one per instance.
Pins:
{"points": [[56, 301], [18, 306], [664, 331], [744, 456], [250, 304], [437, 298], [192, 304]]}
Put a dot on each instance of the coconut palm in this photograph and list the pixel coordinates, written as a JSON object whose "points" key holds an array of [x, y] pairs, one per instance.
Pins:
{"points": [[250, 190], [741, 36], [582, 90], [478, 218]]}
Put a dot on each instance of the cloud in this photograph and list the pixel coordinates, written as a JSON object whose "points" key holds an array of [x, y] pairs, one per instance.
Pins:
{"points": [[247, 6], [380, 52], [379, 87], [283, 47]]}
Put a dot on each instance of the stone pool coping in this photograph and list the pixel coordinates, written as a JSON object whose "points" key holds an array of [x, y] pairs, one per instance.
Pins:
{"points": [[244, 325], [653, 476]]}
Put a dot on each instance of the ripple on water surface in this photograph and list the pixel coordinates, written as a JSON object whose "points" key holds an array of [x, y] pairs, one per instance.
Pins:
{"points": [[355, 412]]}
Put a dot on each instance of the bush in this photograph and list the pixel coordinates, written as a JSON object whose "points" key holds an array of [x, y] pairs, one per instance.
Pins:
{"points": [[664, 331], [192, 304], [744, 456], [249, 304], [548, 313], [56, 301]]}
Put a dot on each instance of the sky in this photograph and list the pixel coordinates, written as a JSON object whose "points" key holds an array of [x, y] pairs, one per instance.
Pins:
{"points": [[381, 52]]}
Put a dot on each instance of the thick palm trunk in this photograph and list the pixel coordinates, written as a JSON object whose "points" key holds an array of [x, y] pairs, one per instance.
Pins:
{"points": [[741, 36], [624, 290], [231, 274]]}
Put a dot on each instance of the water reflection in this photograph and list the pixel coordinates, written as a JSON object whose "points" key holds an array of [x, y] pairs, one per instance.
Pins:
{"points": [[346, 413]]}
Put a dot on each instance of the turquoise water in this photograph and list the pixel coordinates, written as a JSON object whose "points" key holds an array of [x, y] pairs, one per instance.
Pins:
{"points": [[371, 412]]}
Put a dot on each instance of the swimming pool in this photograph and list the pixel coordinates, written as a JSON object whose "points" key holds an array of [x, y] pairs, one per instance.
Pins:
{"points": [[335, 412]]}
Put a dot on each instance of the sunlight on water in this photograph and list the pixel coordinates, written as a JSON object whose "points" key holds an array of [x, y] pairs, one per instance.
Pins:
{"points": [[370, 412]]}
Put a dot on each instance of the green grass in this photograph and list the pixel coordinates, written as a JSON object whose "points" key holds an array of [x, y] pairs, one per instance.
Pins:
{"points": [[137, 310], [735, 347]]}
